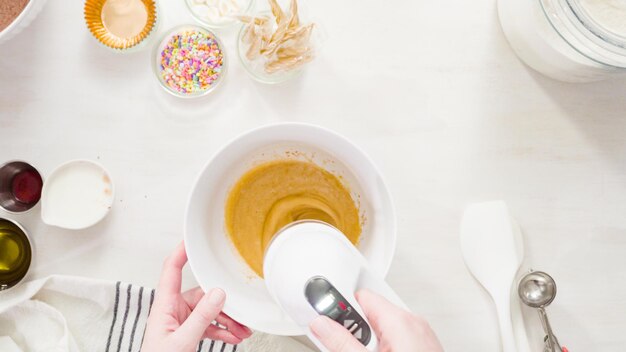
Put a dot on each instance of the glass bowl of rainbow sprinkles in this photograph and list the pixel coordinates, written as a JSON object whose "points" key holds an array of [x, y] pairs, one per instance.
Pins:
{"points": [[189, 61]]}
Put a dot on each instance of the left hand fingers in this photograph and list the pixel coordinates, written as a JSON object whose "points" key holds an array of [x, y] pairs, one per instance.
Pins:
{"points": [[193, 296], [171, 275], [233, 326], [216, 333], [207, 309]]}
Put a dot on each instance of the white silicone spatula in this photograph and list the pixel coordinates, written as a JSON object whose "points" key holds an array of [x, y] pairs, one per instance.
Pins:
{"points": [[519, 329], [488, 243]]}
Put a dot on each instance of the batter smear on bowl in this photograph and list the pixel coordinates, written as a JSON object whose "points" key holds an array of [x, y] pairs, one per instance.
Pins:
{"points": [[275, 194]]}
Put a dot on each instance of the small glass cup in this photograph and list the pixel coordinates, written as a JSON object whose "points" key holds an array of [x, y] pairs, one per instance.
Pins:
{"points": [[256, 68], [9, 200], [17, 249], [156, 61], [192, 5]]}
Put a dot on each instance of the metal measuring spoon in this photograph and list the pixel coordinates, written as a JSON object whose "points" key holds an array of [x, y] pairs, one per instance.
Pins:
{"points": [[537, 290]]}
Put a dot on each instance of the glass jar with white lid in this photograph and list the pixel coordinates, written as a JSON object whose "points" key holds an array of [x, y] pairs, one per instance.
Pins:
{"points": [[568, 40]]}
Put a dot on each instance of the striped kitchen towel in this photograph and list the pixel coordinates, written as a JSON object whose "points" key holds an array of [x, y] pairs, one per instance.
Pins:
{"points": [[67, 314], [129, 321]]}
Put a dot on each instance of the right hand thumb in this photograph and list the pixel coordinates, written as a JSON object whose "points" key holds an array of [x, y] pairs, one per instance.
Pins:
{"points": [[333, 336]]}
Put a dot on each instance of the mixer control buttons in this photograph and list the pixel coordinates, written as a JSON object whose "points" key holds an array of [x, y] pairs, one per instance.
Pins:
{"points": [[328, 301], [358, 334], [363, 334]]}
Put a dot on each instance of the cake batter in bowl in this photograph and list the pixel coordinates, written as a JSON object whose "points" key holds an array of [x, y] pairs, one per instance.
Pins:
{"points": [[214, 259]]}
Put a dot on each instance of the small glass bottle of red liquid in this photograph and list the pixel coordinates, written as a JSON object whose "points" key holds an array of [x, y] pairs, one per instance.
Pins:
{"points": [[20, 186]]}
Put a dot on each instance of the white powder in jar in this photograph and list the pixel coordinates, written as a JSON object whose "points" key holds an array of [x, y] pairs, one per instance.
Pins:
{"points": [[609, 14]]}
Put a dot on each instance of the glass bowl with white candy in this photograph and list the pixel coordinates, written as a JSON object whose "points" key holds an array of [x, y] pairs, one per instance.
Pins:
{"points": [[218, 13]]}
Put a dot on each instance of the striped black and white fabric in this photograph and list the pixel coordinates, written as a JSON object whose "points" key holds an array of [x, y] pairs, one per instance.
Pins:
{"points": [[63, 313], [131, 308]]}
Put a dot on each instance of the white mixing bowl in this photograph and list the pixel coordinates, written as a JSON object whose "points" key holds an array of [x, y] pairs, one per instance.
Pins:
{"points": [[22, 21], [213, 258]]}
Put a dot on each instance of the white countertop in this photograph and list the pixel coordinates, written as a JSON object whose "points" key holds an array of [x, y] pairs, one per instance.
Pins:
{"points": [[430, 90]]}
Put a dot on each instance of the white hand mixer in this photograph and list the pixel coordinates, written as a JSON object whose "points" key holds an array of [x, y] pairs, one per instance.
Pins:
{"points": [[311, 268]]}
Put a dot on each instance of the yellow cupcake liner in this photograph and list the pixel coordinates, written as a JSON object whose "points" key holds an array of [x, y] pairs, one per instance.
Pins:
{"points": [[93, 18]]}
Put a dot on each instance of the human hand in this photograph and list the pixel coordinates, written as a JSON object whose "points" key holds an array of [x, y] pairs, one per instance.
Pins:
{"points": [[397, 329], [178, 321]]}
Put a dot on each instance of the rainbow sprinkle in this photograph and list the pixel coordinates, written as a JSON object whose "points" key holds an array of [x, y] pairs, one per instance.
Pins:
{"points": [[191, 61]]}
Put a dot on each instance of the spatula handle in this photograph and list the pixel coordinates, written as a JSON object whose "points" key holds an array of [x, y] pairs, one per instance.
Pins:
{"points": [[517, 319], [506, 327]]}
